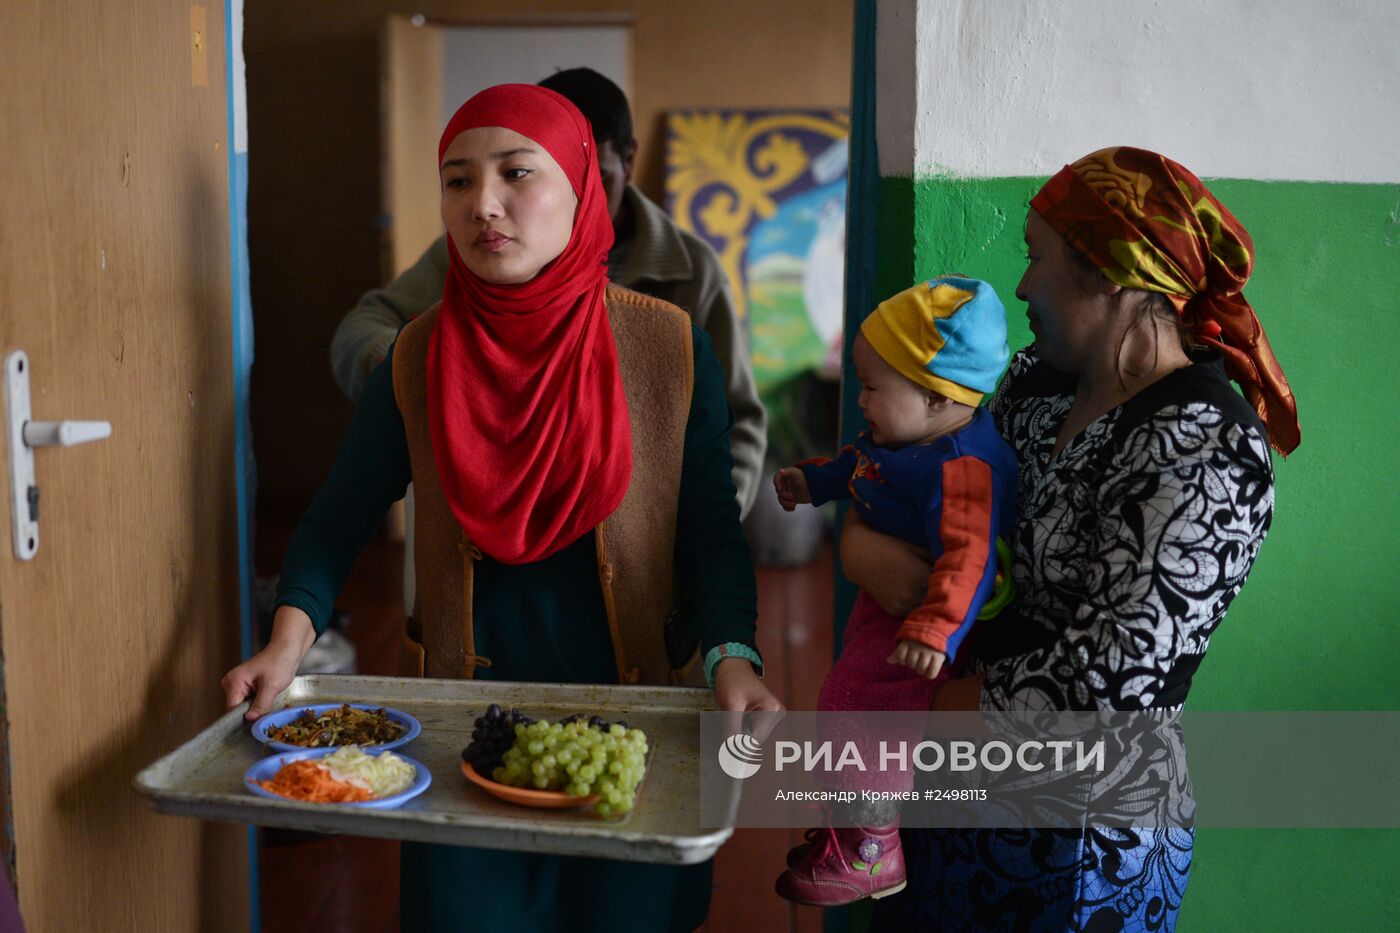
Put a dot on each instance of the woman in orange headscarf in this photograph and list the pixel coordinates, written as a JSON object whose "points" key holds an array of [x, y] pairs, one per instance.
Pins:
{"points": [[1146, 488], [568, 443]]}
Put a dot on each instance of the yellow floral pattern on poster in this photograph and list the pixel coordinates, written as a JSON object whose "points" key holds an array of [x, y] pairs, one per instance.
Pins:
{"points": [[767, 189], [745, 161]]}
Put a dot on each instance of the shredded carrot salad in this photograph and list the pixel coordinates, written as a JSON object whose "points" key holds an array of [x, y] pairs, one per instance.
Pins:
{"points": [[307, 780]]}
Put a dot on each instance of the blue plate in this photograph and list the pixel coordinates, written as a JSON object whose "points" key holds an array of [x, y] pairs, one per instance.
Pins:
{"points": [[284, 716], [265, 769]]}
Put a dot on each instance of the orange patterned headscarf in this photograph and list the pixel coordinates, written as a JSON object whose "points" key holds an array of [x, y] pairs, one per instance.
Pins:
{"points": [[1146, 222]]}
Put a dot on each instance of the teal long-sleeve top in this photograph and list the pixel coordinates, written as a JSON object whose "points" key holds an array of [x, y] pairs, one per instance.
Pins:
{"points": [[543, 621]]}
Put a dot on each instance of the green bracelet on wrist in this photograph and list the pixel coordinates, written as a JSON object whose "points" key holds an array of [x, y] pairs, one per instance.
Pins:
{"points": [[730, 649]]}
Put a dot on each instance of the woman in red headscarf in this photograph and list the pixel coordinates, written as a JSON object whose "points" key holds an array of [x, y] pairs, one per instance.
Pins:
{"points": [[1146, 487], [568, 445]]}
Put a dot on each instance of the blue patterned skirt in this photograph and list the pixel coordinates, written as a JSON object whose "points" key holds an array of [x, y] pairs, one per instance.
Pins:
{"points": [[1040, 880]]}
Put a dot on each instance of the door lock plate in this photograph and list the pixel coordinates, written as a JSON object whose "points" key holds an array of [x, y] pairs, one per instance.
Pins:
{"points": [[23, 434], [24, 520]]}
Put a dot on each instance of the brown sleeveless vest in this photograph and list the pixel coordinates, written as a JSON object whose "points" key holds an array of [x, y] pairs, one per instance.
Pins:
{"points": [[636, 544]]}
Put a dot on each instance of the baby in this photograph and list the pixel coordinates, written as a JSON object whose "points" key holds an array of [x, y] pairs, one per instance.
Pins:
{"points": [[930, 469]]}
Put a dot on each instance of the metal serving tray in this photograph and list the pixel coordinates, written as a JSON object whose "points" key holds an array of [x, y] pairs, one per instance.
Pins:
{"points": [[204, 777]]}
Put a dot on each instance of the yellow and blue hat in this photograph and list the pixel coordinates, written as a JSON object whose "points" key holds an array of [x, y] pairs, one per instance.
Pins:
{"points": [[947, 334]]}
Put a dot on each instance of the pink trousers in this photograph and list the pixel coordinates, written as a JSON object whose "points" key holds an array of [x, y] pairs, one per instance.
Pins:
{"points": [[864, 680]]}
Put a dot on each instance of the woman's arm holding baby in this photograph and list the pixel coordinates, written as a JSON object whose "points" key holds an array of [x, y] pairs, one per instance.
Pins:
{"points": [[893, 571]]}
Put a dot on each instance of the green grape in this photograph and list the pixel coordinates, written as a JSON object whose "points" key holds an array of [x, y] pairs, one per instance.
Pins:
{"points": [[579, 759]]}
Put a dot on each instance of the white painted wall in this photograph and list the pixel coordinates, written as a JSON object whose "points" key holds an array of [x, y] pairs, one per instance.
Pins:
{"points": [[896, 84], [1269, 89], [477, 57]]}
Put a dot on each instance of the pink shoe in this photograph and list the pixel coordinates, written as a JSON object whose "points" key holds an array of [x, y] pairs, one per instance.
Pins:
{"points": [[841, 866], [799, 852]]}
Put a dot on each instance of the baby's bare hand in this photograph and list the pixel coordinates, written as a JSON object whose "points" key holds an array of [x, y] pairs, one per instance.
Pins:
{"points": [[791, 486], [919, 658]]}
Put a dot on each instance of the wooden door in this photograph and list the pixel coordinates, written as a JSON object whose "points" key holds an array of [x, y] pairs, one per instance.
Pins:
{"points": [[115, 279], [411, 122]]}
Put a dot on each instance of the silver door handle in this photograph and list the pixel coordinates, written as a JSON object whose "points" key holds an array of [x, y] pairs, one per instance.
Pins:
{"points": [[24, 435], [65, 433]]}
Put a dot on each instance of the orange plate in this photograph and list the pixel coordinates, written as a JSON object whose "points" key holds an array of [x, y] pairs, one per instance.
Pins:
{"points": [[526, 797]]}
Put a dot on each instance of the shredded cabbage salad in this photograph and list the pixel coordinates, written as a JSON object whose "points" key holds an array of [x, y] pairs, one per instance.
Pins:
{"points": [[383, 775]]}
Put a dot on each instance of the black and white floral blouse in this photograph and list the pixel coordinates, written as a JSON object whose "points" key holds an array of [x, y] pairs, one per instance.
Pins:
{"points": [[1130, 543]]}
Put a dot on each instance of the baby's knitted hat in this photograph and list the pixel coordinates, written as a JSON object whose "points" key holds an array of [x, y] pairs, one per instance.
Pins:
{"points": [[948, 335]]}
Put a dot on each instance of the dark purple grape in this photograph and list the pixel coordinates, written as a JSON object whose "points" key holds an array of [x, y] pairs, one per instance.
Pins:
{"points": [[493, 736]]}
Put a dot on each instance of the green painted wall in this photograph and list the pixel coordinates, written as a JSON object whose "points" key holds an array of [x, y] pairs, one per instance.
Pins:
{"points": [[1317, 627]]}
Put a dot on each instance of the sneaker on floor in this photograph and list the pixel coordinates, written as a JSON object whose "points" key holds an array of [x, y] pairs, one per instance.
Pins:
{"points": [[841, 866]]}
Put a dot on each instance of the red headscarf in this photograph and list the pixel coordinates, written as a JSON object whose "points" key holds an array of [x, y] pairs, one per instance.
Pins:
{"points": [[1146, 222], [525, 401]]}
